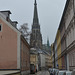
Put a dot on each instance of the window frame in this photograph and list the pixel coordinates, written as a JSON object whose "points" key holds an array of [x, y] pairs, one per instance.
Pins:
{"points": [[1, 27]]}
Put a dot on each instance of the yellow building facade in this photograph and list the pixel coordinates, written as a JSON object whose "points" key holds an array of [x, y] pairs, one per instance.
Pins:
{"points": [[58, 38], [33, 59], [52, 65]]}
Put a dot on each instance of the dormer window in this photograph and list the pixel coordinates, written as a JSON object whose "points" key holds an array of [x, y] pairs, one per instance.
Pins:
{"points": [[0, 27]]}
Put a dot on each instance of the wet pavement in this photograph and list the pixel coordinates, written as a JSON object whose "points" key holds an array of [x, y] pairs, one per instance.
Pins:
{"points": [[41, 73]]}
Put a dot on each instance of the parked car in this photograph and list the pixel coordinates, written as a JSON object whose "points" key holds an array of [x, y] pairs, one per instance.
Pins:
{"points": [[61, 72], [53, 71], [68, 73], [56, 71], [32, 69], [50, 70], [73, 72]]}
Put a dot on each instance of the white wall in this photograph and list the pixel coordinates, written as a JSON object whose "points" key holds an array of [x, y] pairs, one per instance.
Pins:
{"points": [[42, 56]]}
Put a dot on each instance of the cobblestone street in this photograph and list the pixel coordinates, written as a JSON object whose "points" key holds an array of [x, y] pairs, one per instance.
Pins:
{"points": [[41, 73]]}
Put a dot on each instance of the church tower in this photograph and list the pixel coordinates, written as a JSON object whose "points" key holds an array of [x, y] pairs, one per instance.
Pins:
{"points": [[36, 37]]}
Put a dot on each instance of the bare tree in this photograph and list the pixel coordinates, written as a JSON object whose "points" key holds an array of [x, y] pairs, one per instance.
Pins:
{"points": [[25, 31]]}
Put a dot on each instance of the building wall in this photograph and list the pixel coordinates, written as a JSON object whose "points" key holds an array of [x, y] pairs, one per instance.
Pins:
{"points": [[67, 29], [66, 38], [8, 46], [72, 59], [55, 49], [33, 59], [64, 62], [48, 62], [56, 55], [69, 13], [69, 23], [62, 34], [25, 55], [70, 36], [59, 49], [56, 64], [42, 60], [63, 43], [52, 55]]}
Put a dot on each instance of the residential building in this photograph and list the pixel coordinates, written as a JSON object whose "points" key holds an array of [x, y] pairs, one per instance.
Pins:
{"points": [[59, 49], [47, 60], [52, 62], [14, 50], [66, 37], [56, 55], [53, 55], [67, 30], [44, 59], [25, 57], [10, 42], [63, 43], [70, 33], [41, 60], [34, 58]]}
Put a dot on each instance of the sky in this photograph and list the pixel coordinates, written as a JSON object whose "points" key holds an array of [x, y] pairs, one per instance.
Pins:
{"points": [[49, 13]]}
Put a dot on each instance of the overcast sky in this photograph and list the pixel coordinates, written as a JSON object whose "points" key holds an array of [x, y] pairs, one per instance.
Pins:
{"points": [[49, 13]]}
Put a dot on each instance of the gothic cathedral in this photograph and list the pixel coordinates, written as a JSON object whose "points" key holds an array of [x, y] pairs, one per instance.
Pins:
{"points": [[36, 37]]}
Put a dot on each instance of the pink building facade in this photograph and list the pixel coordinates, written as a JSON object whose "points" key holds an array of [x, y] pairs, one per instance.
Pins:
{"points": [[11, 45]]}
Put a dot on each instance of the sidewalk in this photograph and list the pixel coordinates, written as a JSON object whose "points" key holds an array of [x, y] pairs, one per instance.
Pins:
{"points": [[42, 73], [38, 73], [9, 72]]}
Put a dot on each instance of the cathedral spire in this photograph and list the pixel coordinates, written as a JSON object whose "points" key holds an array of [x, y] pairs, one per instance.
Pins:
{"points": [[35, 18], [36, 36], [35, 2], [47, 42]]}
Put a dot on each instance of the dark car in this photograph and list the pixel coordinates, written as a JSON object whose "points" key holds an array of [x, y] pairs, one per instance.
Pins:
{"points": [[32, 69]]}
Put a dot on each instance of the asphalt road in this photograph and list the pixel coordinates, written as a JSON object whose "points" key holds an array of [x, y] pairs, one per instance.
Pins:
{"points": [[41, 73]]}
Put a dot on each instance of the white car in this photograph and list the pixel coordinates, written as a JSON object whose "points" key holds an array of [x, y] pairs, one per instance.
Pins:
{"points": [[73, 72], [68, 73], [61, 72], [53, 70]]}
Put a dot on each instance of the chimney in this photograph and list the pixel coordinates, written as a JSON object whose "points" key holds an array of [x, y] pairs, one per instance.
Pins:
{"points": [[15, 24], [7, 14]]}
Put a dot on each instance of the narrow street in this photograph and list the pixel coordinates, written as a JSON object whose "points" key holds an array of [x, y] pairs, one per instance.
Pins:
{"points": [[41, 73]]}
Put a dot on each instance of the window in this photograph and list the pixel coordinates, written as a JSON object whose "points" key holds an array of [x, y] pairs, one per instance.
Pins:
{"points": [[0, 28]]}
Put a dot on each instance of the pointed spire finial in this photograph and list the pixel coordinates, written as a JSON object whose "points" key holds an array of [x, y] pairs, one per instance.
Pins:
{"points": [[35, 3], [35, 18], [47, 41]]}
